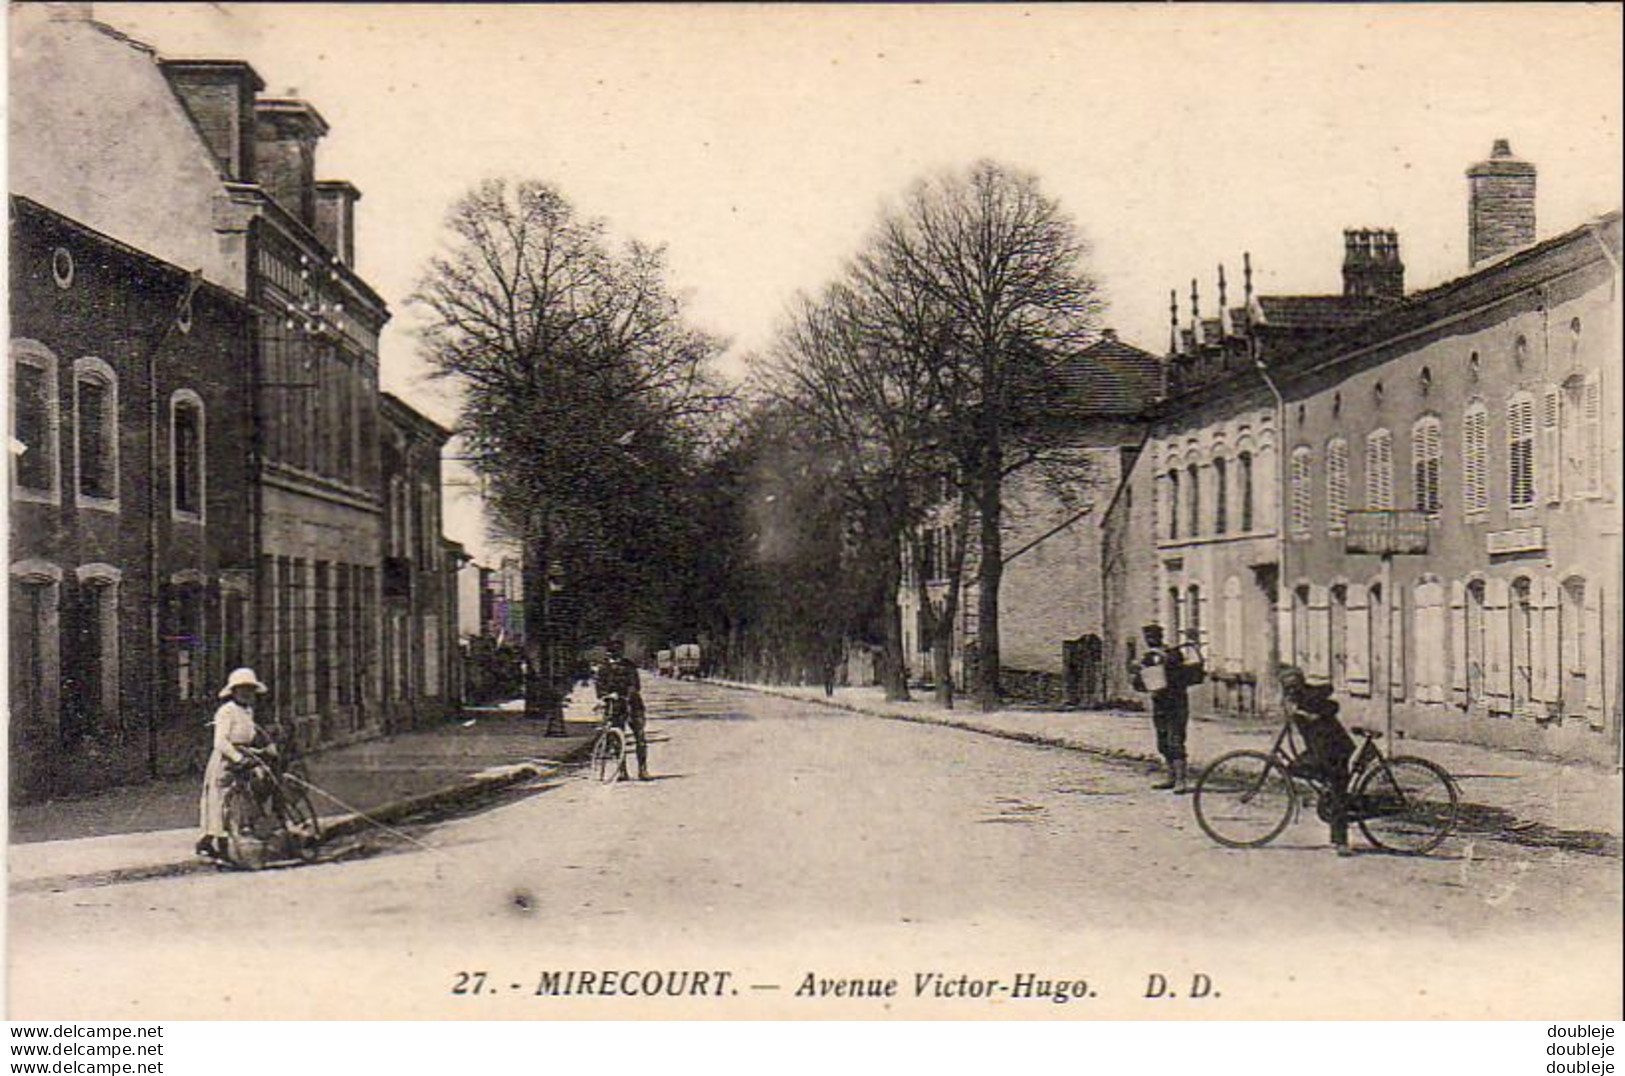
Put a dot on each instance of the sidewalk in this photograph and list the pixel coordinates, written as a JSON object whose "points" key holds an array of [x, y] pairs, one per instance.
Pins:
{"points": [[149, 830], [1532, 800]]}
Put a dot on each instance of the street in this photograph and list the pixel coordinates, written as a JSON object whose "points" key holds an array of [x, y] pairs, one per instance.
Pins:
{"points": [[799, 849]]}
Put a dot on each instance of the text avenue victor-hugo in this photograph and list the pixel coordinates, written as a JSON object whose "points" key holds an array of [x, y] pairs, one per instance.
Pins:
{"points": [[932, 985]]}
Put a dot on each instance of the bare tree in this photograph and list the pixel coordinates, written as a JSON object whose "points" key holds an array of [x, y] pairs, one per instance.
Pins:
{"points": [[996, 270], [583, 386]]}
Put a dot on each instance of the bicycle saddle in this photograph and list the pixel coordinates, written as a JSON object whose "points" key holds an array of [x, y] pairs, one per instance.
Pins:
{"points": [[1360, 730]]}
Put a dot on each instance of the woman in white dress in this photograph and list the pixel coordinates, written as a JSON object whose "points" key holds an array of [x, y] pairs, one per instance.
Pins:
{"points": [[234, 729]]}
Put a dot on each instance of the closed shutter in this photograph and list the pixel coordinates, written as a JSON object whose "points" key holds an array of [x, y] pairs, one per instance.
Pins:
{"points": [[1475, 468], [1551, 411], [1359, 642], [1320, 629], [1398, 635], [1337, 486], [1596, 670], [1592, 432], [1497, 647], [1457, 657], [1548, 659]]}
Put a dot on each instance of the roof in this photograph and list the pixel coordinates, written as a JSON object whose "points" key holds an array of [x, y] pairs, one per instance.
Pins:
{"points": [[1108, 378], [1318, 312], [393, 407]]}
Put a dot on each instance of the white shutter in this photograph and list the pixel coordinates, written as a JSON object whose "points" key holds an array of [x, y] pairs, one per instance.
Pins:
{"points": [[1497, 647], [1548, 659], [1359, 642], [1457, 657], [1548, 483], [1337, 486], [1596, 669], [1591, 424], [1320, 625]]}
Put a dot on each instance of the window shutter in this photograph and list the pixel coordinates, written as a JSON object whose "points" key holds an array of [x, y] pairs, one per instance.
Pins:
{"points": [[1337, 486], [1475, 451], [1520, 452], [1397, 633], [1551, 465], [1548, 661], [1592, 423], [1320, 631], [1497, 646], [1359, 641], [1596, 672], [1456, 659]]}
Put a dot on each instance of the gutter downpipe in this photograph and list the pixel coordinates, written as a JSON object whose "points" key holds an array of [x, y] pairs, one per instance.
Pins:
{"points": [[1282, 637]]}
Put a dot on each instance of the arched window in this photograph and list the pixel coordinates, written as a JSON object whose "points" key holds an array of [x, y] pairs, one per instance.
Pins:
{"points": [[1521, 451], [1302, 506], [1337, 485], [1221, 496], [1194, 492], [1300, 627], [1426, 449], [95, 417], [1475, 653], [1244, 478], [186, 439], [35, 422], [1193, 613], [1340, 636], [1379, 470], [1176, 615], [1173, 503], [1475, 450], [1523, 645]]}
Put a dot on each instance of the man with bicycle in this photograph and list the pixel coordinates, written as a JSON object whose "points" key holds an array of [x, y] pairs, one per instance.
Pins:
{"points": [[618, 676], [1328, 747]]}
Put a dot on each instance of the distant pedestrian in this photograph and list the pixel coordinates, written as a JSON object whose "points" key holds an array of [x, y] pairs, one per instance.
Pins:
{"points": [[234, 729], [1163, 673]]}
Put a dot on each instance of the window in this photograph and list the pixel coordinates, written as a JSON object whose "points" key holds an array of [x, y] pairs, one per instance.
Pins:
{"points": [[1425, 454], [1520, 352], [90, 628], [1302, 506], [1244, 465], [1339, 656], [1432, 643], [33, 421], [1572, 645], [95, 408], [1221, 496], [1475, 450], [1379, 470], [1193, 613], [186, 447], [1173, 504], [35, 646], [1521, 451], [1523, 646], [1337, 485], [1581, 419], [1194, 492]]}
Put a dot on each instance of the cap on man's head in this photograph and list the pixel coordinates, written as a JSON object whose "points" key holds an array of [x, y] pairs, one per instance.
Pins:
{"points": [[1151, 629]]}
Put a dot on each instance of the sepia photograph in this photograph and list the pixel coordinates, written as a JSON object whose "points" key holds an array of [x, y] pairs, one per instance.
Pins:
{"points": [[814, 512]]}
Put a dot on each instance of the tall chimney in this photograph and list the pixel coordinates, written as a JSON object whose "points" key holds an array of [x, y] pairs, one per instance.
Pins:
{"points": [[1371, 265], [286, 133], [219, 95], [1501, 204], [335, 218]]}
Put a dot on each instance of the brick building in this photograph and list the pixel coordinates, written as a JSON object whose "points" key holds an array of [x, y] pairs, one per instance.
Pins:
{"points": [[149, 172], [131, 566], [1488, 403], [1051, 633]]}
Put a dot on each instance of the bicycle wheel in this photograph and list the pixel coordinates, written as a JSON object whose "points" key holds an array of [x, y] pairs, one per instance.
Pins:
{"points": [[299, 820], [1406, 805], [1244, 799], [608, 756]]}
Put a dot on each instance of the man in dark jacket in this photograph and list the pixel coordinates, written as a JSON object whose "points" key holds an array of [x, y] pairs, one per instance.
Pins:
{"points": [[1165, 676], [1328, 747], [618, 676]]}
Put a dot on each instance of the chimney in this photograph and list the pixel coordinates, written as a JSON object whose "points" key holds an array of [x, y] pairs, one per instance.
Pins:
{"points": [[335, 218], [1371, 265], [1500, 206], [286, 131], [219, 95]]}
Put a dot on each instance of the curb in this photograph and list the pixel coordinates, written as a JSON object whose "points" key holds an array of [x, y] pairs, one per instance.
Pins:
{"points": [[469, 790]]}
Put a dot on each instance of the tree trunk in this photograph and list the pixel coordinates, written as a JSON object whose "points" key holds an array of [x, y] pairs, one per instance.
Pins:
{"points": [[943, 640], [543, 699], [895, 675], [990, 572]]}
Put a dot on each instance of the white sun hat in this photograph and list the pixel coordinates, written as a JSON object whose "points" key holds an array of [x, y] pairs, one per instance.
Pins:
{"points": [[242, 678]]}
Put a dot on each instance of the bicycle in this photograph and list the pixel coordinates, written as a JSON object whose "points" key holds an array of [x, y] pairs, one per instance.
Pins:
{"points": [[1404, 804], [614, 743], [268, 811]]}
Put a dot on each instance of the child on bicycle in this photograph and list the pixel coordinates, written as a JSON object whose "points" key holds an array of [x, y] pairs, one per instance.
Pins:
{"points": [[1328, 747]]}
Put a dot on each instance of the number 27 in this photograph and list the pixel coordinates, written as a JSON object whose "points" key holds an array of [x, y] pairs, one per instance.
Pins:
{"points": [[469, 982]]}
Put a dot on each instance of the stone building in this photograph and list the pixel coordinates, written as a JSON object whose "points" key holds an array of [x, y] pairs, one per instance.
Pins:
{"points": [[1488, 405], [1051, 594], [158, 174]]}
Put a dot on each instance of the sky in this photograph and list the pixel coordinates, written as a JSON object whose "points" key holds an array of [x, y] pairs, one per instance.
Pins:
{"points": [[760, 143]]}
